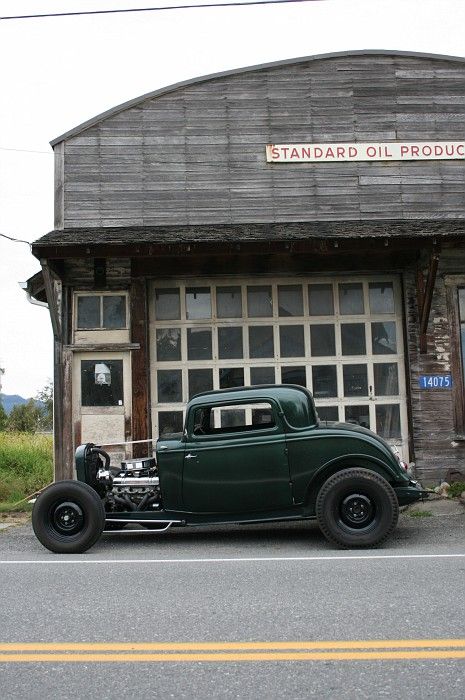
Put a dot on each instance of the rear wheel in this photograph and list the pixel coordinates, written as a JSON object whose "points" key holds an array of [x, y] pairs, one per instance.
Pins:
{"points": [[357, 508], [68, 517]]}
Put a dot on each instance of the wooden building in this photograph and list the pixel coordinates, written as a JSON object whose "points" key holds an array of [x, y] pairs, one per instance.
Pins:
{"points": [[187, 255]]}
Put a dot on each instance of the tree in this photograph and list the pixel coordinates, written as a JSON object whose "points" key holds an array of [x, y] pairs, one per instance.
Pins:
{"points": [[3, 418], [45, 397], [25, 417]]}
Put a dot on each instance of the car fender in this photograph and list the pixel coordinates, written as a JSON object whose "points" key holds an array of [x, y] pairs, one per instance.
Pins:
{"points": [[346, 462]]}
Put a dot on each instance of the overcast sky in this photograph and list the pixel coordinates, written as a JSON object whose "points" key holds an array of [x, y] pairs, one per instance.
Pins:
{"points": [[58, 72]]}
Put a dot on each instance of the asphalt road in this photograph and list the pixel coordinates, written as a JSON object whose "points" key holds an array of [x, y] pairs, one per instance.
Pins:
{"points": [[239, 612]]}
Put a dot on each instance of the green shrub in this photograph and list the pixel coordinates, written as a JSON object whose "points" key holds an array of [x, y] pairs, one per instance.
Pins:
{"points": [[26, 464], [456, 489]]}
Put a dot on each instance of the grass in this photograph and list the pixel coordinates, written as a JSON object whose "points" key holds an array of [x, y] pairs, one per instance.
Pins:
{"points": [[420, 514], [26, 465]]}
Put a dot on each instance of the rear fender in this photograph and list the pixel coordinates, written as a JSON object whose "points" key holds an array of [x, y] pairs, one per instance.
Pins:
{"points": [[346, 462]]}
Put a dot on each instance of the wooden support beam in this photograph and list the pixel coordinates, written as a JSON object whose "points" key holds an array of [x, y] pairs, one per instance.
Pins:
{"points": [[425, 296], [52, 300], [139, 365]]}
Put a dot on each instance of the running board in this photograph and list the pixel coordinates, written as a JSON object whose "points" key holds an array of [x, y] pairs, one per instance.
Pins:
{"points": [[167, 524]]}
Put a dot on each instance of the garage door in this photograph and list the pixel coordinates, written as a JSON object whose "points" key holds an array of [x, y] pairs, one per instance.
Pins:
{"points": [[340, 337]]}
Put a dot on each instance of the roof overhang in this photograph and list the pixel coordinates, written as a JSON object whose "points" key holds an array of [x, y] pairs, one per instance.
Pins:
{"points": [[140, 241]]}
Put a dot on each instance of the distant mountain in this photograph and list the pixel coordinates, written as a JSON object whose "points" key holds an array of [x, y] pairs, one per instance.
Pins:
{"points": [[11, 400]]}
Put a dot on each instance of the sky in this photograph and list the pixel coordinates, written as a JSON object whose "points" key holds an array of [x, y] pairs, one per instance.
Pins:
{"points": [[58, 72]]}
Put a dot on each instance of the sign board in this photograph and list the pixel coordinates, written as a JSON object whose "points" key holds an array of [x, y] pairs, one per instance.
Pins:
{"points": [[435, 381], [341, 152]]}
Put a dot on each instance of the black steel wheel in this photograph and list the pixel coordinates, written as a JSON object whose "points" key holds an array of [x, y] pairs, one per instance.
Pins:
{"points": [[357, 508], [68, 517]]}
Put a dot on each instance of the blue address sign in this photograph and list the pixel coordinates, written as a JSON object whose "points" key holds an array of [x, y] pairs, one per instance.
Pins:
{"points": [[435, 381]]}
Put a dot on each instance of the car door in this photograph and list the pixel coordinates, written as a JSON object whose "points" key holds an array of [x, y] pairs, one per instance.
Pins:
{"points": [[235, 460]]}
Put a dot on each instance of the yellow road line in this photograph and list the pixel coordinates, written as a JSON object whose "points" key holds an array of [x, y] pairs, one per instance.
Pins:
{"points": [[232, 646], [228, 657]]}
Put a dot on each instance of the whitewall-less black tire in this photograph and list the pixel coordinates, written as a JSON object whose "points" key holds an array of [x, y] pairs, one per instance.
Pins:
{"points": [[68, 517], [357, 508]]}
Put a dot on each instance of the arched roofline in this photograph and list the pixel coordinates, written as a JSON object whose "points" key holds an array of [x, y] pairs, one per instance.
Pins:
{"points": [[238, 71]]}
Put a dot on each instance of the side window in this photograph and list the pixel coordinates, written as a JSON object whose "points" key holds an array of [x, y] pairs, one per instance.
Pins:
{"points": [[101, 311], [221, 419]]}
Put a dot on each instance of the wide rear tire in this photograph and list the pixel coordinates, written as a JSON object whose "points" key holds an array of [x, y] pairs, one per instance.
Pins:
{"points": [[357, 508], [68, 517]]}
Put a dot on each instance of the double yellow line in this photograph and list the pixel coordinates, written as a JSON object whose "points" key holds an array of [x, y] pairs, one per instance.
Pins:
{"points": [[117, 652]]}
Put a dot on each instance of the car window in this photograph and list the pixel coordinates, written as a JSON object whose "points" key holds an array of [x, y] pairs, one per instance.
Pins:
{"points": [[222, 419]]}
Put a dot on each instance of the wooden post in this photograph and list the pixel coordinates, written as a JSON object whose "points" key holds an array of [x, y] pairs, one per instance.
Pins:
{"points": [[139, 366], [427, 295]]}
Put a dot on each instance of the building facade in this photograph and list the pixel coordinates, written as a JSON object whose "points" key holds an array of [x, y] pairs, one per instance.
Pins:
{"points": [[298, 222]]}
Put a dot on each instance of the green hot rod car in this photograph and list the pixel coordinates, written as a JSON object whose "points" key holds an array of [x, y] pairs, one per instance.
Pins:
{"points": [[246, 455]]}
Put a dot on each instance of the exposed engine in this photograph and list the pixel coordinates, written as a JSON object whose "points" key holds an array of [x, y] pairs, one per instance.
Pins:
{"points": [[134, 486]]}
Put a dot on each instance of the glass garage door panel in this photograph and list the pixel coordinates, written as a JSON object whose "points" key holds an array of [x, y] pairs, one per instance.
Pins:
{"points": [[340, 337]]}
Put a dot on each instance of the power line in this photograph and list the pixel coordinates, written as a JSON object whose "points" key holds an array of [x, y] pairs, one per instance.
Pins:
{"points": [[238, 3], [24, 150], [16, 240]]}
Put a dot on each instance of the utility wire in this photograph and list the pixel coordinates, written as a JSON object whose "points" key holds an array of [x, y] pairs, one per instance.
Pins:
{"points": [[24, 150], [238, 3], [16, 240]]}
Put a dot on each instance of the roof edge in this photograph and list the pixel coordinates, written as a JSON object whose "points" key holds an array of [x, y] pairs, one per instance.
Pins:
{"points": [[237, 71]]}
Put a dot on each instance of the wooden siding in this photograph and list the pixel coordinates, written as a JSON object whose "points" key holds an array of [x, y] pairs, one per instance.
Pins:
{"points": [[436, 435], [197, 155]]}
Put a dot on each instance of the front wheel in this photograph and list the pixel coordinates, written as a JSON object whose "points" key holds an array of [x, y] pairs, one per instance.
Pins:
{"points": [[68, 517], [357, 508]]}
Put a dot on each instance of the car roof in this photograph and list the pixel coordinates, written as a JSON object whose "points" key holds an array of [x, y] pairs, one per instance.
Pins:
{"points": [[296, 402]]}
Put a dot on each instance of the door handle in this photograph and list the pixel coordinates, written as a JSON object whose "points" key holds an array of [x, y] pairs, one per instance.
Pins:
{"points": [[190, 456]]}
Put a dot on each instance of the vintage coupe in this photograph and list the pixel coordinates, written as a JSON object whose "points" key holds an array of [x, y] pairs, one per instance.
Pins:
{"points": [[246, 455]]}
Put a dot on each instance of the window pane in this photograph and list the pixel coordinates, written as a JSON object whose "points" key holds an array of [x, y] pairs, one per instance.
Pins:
{"points": [[261, 341], [170, 422], [320, 299], [388, 421], [358, 414], [324, 381], [263, 417], [169, 382], [290, 300], [88, 312], [167, 304], [233, 418], [293, 375], [231, 377], [262, 375], [381, 298], [230, 343], [353, 339], [322, 340], [200, 380], [351, 299], [199, 343], [168, 344], [198, 302], [102, 382], [228, 302], [328, 413], [114, 312], [259, 301], [462, 304], [291, 341], [355, 380], [383, 338], [386, 379], [462, 338]]}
